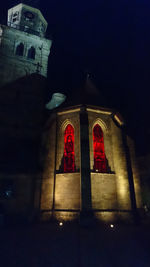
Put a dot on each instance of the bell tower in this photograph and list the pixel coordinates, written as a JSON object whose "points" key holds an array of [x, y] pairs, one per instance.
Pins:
{"points": [[23, 47]]}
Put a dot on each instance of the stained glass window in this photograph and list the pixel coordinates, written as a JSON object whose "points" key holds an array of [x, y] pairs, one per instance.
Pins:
{"points": [[98, 147], [69, 157]]}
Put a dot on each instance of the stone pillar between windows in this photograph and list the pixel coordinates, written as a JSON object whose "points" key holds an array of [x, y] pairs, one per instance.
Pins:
{"points": [[86, 206], [131, 179]]}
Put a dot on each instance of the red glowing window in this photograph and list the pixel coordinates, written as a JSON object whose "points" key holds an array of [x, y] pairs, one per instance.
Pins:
{"points": [[98, 146], [69, 158]]}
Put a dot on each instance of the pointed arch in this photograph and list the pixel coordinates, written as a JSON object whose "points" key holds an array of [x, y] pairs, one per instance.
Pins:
{"points": [[98, 148], [69, 156], [20, 49], [102, 124], [31, 53], [64, 125]]}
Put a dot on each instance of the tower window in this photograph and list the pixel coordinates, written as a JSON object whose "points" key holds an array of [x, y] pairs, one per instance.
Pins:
{"points": [[15, 16], [98, 147], [31, 53], [69, 157], [20, 49]]}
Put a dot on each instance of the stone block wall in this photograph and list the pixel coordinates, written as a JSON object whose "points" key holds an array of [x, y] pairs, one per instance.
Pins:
{"points": [[48, 162], [13, 66], [67, 192], [120, 167], [18, 17], [136, 173], [104, 193]]}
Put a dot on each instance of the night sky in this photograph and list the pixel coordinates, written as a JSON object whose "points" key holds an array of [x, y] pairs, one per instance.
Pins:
{"points": [[108, 39]]}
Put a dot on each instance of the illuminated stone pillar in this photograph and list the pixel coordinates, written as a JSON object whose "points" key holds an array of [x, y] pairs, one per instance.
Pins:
{"points": [[130, 177], [85, 164], [48, 153], [121, 171], [135, 170]]}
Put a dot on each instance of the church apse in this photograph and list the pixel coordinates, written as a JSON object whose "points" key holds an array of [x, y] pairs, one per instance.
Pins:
{"points": [[108, 175]]}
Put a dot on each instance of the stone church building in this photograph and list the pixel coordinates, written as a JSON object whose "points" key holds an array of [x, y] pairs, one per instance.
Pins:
{"points": [[69, 161]]}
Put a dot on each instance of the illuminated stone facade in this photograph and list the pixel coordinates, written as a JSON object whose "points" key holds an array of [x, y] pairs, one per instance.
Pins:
{"points": [[23, 48], [107, 194], [85, 163]]}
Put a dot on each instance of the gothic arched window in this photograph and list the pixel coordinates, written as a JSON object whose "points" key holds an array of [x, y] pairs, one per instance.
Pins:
{"points": [[20, 49], [98, 147], [69, 158], [31, 52]]}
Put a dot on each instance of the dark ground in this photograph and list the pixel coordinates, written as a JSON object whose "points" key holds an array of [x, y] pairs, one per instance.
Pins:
{"points": [[49, 245]]}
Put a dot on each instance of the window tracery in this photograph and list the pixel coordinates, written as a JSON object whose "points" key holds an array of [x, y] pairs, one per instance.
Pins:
{"points": [[69, 155], [98, 148]]}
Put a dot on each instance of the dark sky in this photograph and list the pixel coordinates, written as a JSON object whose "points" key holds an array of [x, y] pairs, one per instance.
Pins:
{"points": [[109, 39]]}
